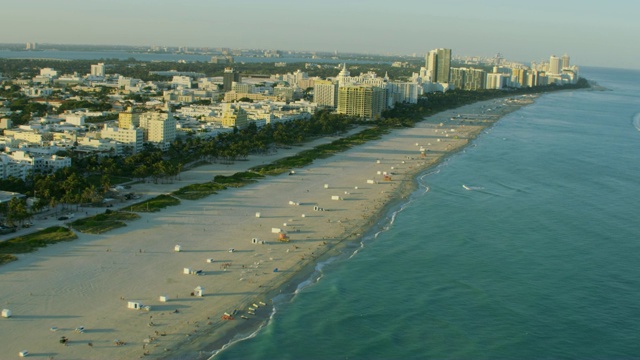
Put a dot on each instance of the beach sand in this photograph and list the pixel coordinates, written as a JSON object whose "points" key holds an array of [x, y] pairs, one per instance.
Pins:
{"points": [[89, 282]]}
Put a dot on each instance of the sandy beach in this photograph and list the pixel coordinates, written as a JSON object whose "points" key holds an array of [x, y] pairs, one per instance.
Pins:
{"points": [[82, 289]]}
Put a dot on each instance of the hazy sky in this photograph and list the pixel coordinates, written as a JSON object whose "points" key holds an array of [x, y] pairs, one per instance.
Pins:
{"points": [[592, 32]]}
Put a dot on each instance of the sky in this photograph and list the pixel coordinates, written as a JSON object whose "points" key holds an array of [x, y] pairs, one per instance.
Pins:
{"points": [[592, 32]]}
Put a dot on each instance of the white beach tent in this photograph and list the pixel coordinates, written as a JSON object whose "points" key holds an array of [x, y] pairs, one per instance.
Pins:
{"points": [[6, 313], [199, 291], [134, 305]]}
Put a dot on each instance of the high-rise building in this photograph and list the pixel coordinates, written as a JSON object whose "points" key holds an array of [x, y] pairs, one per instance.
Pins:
{"points": [[365, 101], [97, 70], [457, 78], [520, 76], [159, 128], [468, 79], [325, 93], [554, 65], [229, 76], [495, 80], [438, 64], [565, 61], [476, 79]]}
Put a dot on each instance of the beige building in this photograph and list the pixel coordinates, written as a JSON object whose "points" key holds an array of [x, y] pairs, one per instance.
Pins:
{"points": [[30, 136], [234, 116], [128, 119], [158, 128], [129, 137], [361, 100], [325, 93]]}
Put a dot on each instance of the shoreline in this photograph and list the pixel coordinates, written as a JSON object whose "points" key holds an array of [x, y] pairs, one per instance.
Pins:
{"points": [[138, 262], [208, 347]]}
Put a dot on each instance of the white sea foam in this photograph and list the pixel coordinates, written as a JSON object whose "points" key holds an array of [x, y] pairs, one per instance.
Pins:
{"points": [[636, 121], [247, 337]]}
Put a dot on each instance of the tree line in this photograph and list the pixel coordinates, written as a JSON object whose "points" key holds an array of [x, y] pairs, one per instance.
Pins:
{"points": [[90, 177]]}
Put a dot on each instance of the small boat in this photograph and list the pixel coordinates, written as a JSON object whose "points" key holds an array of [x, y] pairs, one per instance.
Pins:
{"points": [[466, 187]]}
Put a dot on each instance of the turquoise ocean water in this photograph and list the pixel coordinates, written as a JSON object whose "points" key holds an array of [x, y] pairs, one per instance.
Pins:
{"points": [[539, 260]]}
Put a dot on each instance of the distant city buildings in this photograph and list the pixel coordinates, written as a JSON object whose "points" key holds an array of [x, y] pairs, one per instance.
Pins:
{"points": [[143, 115]]}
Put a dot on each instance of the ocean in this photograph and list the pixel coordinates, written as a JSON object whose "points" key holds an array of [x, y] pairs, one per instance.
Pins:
{"points": [[537, 259]]}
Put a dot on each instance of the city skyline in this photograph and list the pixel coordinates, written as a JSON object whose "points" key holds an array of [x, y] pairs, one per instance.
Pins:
{"points": [[520, 33]]}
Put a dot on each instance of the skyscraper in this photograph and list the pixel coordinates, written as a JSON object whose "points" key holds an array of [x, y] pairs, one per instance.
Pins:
{"points": [[228, 78], [554, 65], [565, 61], [438, 63]]}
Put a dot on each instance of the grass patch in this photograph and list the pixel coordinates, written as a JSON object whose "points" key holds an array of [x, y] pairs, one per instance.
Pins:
{"points": [[156, 204], [31, 242], [102, 223], [238, 179], [7, 258], [323, 151], [198, 191]]}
